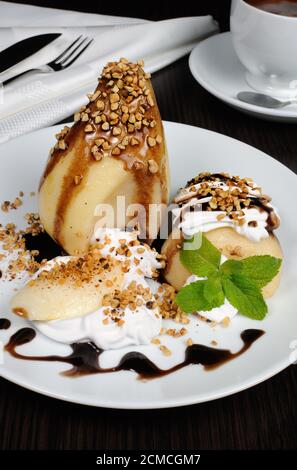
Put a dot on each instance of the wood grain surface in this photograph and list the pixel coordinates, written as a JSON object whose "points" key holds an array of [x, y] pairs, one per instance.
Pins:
{"points": [[264, 417]]}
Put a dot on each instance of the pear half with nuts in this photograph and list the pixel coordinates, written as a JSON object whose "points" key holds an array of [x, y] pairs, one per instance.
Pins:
{"points": [[116, 148], [68, 287], [234, 216]]}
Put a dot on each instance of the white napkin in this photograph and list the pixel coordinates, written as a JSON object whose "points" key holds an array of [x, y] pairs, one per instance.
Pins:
{"points": [[41, 99]]}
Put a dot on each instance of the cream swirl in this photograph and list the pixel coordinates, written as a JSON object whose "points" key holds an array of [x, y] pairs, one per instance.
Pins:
{"points": [[201, 213]]}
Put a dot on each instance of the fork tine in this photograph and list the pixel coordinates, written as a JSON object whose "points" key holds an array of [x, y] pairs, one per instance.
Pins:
{"points": [[70, 54], [67, 49], [73, 59]]}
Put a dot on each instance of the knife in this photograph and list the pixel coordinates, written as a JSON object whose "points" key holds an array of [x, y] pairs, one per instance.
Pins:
{"points": [[23, 49]]}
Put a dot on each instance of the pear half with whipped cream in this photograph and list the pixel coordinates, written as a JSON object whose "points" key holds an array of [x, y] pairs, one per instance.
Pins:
{"points": [[232, 213], [116, 147], [104, 297], [68, 287]]}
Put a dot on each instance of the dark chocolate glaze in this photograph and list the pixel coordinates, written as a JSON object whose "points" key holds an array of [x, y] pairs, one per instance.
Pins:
{"points": [[84, 357]]}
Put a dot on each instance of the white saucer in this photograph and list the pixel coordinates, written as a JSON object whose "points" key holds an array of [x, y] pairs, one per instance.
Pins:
{"points": [[216, 67]]}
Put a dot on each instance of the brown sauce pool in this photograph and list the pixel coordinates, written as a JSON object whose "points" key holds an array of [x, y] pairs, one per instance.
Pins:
{"points": [[84, 357]]}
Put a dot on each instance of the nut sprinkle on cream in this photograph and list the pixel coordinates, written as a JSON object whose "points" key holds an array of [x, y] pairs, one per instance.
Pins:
{"points": [[218, 200]]}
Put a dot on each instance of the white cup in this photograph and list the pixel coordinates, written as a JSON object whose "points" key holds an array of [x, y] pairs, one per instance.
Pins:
{"points": [[265, 44]]}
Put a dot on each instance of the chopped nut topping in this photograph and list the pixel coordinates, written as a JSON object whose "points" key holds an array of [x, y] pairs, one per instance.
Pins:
{"points": [[114, 97], [114, 106], [151, 141], [229, 195], [62, 144], [7, 205], [84, 117], [106, 145], [94, 96], [116, 151], [165, 299], [225, 322], [125, 141], [221, 216], [116, 131], [132, 118], [150, 100], [13, 243], [99, 142], [155, 341], [96, 153], [77, 179], [100, 105], [165, 350], [134, 141], [153, 166], [121, 104], [139, 165], [105, 126]]}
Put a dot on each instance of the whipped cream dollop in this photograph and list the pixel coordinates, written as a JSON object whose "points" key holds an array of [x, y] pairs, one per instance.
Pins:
{"points": [[252, 222], [138, 326], [110, 241]]}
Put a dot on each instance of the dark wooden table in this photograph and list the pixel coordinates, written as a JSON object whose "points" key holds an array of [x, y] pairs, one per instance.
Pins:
{"points": [[264, 417]]}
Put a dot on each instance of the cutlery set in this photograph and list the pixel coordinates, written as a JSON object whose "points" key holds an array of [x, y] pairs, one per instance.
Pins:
{"points": [[24, 49]]}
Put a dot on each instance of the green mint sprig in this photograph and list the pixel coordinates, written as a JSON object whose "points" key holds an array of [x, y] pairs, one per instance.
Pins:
{"points": [[240, 282]]}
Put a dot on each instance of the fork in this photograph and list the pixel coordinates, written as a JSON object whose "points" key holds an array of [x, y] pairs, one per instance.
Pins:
{"points": [[63, 61]]}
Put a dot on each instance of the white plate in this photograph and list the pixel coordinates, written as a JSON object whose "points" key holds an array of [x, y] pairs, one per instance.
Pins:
{"points": [[215, 66], [191, 150]]}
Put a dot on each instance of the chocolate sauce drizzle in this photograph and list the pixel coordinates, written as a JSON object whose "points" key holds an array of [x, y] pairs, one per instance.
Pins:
{"points": [[84, 357], [47, 248], [4, 323]]}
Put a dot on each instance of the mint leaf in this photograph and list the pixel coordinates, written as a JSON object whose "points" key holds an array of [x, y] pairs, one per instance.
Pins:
{"points": [[238, 281], [245, 296], [231, 266], [213, 292], [202, 261], [261, 269], [191, 298]]}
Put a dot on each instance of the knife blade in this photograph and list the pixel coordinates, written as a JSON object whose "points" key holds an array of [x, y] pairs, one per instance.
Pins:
{"points": [[21, 50]]}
